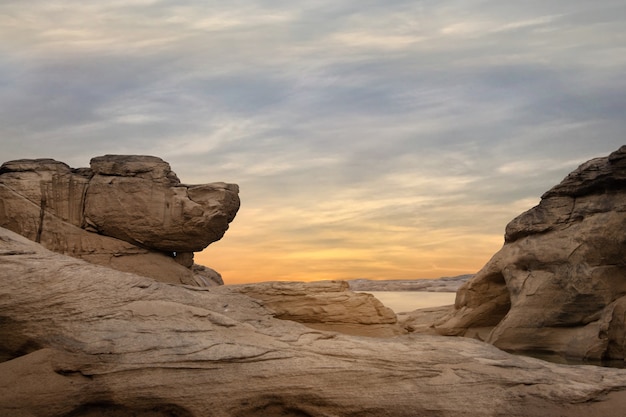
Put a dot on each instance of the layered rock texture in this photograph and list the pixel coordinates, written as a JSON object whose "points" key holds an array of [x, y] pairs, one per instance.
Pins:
{"points": [[326, 305], [558, 285], [130, 213], [77, 339]]}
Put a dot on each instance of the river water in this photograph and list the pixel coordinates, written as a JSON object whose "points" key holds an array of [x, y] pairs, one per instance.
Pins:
{"points": [[402, 301]]}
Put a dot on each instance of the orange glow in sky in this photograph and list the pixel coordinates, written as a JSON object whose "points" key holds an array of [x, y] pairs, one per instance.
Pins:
{"points": [[248, 264], [369, 139], [258, 247]]}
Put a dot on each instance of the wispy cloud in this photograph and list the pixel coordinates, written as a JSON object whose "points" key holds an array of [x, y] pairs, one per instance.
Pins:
{"points": [[378, 139]]}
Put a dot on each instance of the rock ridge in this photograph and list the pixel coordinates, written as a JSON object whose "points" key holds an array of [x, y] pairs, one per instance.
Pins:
{"points": [[78, 339], [443, 284]]}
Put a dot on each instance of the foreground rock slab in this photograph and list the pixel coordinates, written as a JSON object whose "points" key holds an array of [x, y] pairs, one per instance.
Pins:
{"points": [[127, 212], [559, 283], [77, 339]]}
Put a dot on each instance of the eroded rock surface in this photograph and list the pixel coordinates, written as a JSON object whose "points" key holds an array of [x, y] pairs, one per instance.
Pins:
{"points": [[558, 285], [78, 339], [325, 305], [127, 212]]}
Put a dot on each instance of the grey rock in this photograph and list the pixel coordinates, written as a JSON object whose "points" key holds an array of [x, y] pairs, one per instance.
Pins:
{"points": [[444, 284]]}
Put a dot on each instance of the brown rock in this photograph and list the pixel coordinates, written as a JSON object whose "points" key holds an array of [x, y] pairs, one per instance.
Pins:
{"points": [[139, 200], [81, 340], [325, 305], [150, 168], [49, 185], [136, 205], [422, 319], [205, 276], [558, 284]]}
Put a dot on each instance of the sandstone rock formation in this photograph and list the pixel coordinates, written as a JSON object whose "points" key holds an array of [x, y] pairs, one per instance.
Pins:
{"points": [[130, 213], [422, 319], [325, 305], [558, 285], [77, 339]]}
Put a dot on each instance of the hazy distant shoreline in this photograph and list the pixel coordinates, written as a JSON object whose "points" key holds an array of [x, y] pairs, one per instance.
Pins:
{"points": [[445, 284]]}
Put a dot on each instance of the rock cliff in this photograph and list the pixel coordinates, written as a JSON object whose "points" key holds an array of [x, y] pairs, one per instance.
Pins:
{"points": [[77, 339], [130, 213], [558, 285]]}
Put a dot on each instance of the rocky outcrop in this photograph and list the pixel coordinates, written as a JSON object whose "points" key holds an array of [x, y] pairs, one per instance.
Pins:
{"points": [[130, 213], [77, 339], [325, 305], [422, 319], [558, 285], [444, 284]]}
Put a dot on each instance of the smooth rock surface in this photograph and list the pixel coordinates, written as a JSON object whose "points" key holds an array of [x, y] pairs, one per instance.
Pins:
{"points": [[127, 212], [558, 285], [82, 340]]}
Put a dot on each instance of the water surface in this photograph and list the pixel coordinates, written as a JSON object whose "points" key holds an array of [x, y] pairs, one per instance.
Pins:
{"points": [[403, 301]]}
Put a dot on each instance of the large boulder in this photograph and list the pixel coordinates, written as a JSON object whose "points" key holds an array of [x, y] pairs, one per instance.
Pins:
{"points": [[558, 285], [78, 339], [127, 212], [138, 199]]}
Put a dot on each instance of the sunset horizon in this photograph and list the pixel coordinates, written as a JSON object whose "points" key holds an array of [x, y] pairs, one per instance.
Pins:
{"points": [[369, 140]]}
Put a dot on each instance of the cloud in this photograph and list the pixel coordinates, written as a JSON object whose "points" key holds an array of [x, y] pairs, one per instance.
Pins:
{"points": [[391, 137]]}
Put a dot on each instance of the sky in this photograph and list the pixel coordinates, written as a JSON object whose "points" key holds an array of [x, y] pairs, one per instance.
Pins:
{"points": [[370, 139]]}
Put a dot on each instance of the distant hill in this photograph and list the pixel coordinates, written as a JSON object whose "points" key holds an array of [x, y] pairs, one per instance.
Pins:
{"points": [[445, 284]]}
